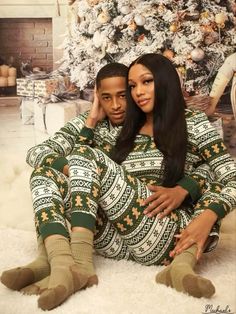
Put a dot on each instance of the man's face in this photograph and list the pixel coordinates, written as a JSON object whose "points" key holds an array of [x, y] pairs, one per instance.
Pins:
{"points": [[111, 95]]}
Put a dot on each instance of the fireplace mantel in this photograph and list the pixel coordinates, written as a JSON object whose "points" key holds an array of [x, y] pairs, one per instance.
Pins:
{"points": [[57, 10]]}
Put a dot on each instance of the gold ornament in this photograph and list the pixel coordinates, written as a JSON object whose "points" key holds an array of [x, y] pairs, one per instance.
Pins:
{"points": [[93, 2], [173, 27], [204, 15], [221, 25], [168, 54], [132, 25], [206, 28], [182, 70], [161, 8], [103, 18]]}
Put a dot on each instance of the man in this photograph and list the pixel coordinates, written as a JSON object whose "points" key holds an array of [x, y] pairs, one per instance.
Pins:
{"points": [[51, 187]]}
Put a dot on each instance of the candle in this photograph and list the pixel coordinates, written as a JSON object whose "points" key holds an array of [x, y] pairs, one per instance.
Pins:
{"points": [[11, 80], [3, 81], [12, 72], [4, 70]]}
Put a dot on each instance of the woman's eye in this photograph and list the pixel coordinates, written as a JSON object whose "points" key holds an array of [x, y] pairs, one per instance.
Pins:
{"points": [[148, 81], [131, 86]]}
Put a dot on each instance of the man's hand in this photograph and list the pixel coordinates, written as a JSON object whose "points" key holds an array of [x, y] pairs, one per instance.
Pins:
{"points": [[96, 112], [197, 232], [66, 170], [164, 200]]}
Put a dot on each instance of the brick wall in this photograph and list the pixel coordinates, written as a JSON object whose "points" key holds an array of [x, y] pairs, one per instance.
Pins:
{"points": [[27, 38]]}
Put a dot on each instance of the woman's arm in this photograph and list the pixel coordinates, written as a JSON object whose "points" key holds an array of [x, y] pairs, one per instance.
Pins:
{"points": [[214, 153], [220, 198]]}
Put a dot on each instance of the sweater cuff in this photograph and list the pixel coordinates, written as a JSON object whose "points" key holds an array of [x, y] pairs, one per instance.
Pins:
{"points": [[87, 133], [191, 186], [218, 209], [59, 163]]}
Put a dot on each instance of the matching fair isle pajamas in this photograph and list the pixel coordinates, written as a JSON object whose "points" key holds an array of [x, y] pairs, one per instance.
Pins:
{"points": [[103, 193]]}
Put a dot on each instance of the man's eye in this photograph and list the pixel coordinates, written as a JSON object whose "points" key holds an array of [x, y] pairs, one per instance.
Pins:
{"points": [[106, 98], [123, 96]]}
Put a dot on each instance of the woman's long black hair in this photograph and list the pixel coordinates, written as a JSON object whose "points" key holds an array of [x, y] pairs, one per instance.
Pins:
{"points": [[170, 131]]}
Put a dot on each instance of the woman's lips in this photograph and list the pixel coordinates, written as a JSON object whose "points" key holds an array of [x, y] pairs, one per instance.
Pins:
{"points": [[143, 102]]}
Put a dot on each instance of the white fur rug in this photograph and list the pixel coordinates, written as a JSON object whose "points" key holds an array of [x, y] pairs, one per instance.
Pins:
{"points": [[124, 287]]}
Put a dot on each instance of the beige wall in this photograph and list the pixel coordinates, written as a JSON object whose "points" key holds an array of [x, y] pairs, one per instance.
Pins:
{"points": [[40, 9]]}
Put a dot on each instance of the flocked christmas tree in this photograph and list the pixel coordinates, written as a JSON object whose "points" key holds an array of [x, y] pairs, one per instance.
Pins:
{"points": [[196, 35]]}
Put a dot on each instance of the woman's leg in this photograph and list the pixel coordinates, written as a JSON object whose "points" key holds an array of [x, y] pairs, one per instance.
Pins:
{"points": [[107, 241], [180, 275], [97, 181]]}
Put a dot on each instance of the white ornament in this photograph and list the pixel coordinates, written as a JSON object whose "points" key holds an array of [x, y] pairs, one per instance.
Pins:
{"points": [[125, 9], [103, 18], [139, 20], [98, 39], [197, 54]]}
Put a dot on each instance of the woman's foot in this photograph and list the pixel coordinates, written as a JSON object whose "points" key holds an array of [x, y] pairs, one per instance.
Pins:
{"points": [[180, 275]]}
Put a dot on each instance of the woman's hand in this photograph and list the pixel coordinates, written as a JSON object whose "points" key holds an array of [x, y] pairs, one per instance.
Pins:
{"points": [[96, 112], [197, 232], [164, 200]]}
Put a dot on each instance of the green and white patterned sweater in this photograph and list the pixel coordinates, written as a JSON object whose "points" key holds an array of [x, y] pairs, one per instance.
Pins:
{"points": [[205, 150]]}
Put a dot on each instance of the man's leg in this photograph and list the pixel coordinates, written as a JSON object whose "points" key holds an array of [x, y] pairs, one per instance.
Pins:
{"points": [[19, 277], [65, 278], [49, 190]]}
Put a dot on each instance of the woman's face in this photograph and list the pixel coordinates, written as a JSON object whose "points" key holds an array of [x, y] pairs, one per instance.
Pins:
{"points": [[142, 87]]}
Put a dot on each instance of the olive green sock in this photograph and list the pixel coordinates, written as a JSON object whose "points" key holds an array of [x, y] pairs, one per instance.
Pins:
{"points": [[20, 277], [65, 278], [181, 276], [82, 252], [36, 288]]}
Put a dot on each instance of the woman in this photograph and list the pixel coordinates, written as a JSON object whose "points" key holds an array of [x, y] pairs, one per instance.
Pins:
{"points": [[160, 142]]}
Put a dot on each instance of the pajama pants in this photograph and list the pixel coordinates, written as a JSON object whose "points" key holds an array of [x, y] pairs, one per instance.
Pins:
{"points": [[102, 196]]}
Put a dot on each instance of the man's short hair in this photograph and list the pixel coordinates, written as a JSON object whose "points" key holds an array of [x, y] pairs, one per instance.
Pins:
{"points": [[113, 69]]}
